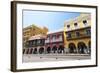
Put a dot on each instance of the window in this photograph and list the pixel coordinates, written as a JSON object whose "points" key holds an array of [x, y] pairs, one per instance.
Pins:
{"points": [[33, 42], [77, 34], [30, 42], [75, 24], [68, 26], [42, 41], [38, 41], [85, 22], [54, 36], [68, 35], [59, 35], [88, 32]]}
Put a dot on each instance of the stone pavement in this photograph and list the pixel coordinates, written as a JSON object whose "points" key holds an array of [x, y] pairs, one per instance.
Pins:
{"points": [[54, 57]]}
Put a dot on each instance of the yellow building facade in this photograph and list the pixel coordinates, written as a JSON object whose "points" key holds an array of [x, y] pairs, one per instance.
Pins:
{"points": [[78, 34]]}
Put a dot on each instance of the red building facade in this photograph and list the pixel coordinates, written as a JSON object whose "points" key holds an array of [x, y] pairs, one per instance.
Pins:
{"points": [[54, 42]]}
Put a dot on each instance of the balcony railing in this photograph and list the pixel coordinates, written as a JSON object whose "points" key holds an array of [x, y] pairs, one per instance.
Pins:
{"points": [[82, 35], [54, 40], [57, 40]]}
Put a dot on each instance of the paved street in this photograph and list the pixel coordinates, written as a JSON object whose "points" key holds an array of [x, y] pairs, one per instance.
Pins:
{"points": [[53, 57]]}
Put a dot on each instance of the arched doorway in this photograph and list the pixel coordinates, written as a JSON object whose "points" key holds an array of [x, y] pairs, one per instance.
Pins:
{"points": [[27, 52], [31, 50], [41, 50], [82, 48], [35, 51], [72, 48], [61, 49], [23, 51], [54, 49], [48, 50]]}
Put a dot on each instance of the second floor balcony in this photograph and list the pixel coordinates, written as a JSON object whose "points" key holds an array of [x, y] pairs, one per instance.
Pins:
{"points": [[54, 40], [78, 34]]}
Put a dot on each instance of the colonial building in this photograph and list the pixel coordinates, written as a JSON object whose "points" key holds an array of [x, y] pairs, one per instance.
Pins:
{"points": [[32, 30], [78, 34], [36, 44], [54, 42]]}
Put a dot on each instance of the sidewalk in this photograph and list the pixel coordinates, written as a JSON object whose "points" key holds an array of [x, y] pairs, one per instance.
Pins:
{"points": [[57, 55], [54, 57]]}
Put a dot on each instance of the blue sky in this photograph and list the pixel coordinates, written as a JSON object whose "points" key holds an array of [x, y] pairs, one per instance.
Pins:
{"points": [[50, 19]]}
